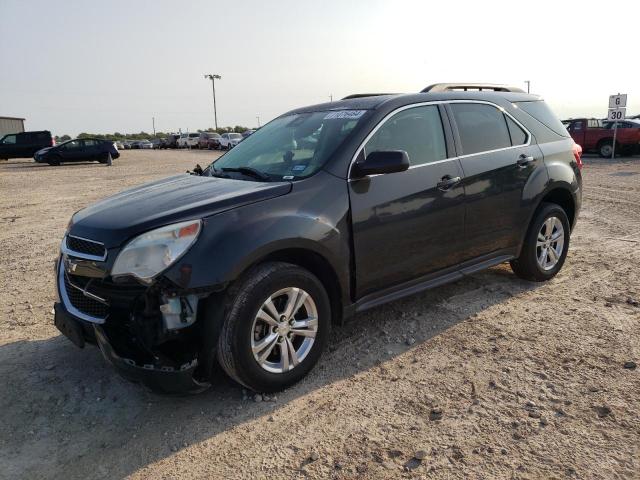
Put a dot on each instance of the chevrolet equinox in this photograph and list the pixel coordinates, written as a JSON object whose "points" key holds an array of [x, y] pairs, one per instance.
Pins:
{"points": [[323, 213]]}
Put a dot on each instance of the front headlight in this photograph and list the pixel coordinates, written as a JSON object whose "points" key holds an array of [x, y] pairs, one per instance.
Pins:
{"points": [[151, 253]]}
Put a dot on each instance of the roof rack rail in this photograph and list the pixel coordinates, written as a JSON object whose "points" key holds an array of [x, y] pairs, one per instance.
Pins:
{"points": [[450, 87], [362, 95]]}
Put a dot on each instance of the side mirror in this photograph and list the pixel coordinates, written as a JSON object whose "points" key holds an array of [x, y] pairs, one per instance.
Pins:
{"points": [[377, 163]]}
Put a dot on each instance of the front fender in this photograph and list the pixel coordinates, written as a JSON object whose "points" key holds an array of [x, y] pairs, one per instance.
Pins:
{"points": [[313, 217]]}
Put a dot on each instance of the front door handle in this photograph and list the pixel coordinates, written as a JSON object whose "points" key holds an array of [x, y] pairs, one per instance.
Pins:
{"points": [[524, 160], [447, 182]]}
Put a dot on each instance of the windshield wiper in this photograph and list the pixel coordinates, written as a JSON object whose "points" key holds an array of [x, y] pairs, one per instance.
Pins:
{"points": [[251, 172]]}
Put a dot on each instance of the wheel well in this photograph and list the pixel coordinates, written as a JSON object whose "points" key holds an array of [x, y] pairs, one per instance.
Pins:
{"points": [[605, 140], [563, 198], [320, 267]]}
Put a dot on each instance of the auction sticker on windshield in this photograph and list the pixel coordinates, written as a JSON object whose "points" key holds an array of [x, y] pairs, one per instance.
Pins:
{"points": [[352, 114]]}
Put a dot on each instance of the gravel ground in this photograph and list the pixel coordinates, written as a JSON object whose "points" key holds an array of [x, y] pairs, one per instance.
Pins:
{"points": [[488, 377]]}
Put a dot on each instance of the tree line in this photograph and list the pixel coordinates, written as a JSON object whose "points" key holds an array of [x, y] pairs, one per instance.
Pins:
{"points": [[144, 135]]}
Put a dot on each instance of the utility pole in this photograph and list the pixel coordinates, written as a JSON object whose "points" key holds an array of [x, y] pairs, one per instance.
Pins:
{"points": [[213, 78], [331, 97], [258, 117], [528, 82], [153, 120]]}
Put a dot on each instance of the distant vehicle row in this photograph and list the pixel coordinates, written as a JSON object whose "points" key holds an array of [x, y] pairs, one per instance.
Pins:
{"points": [[26, 144], [207, 140]]}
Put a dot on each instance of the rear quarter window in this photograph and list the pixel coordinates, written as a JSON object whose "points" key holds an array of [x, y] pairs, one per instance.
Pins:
{"points": [[543, 114]]}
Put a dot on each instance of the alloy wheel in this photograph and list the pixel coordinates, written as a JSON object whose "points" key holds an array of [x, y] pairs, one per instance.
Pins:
{"points": [[550, 243], [284, 330]]}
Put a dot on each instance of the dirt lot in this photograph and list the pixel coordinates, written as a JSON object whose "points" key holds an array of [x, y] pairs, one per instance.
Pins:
{"points": [[490, 377]]}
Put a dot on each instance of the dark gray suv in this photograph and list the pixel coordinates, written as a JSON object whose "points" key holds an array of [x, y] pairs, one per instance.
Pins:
{"points": [[323, 213]]}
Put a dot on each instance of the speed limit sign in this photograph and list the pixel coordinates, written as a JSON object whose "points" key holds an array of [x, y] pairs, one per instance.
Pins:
{"points": [[618, 101], [617, 114]]}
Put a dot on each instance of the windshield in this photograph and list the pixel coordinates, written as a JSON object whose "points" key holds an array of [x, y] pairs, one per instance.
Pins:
{"points": [[291, 147], [235, 135]]}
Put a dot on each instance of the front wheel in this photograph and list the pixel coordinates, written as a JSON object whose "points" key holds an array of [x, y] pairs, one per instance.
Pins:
{"points": [[546, 244], [276, 324]]}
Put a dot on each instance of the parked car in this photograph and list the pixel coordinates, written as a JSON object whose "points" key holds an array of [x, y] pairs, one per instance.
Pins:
{"points": [[171, 141], [246, 133], [127, 144], [594, 135], [214, 141], [24, 144], [157, 143], [203, 139], [145, 144], [229, 140], [188, 140], [253, 261], [78, 150], [119, 145]]}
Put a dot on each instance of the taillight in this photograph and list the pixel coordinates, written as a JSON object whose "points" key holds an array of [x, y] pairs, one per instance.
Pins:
{"points": [[577, 154], [53, 142]]}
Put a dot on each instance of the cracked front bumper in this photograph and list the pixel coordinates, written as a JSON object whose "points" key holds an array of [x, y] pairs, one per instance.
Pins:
{"points": [[160, 377]]}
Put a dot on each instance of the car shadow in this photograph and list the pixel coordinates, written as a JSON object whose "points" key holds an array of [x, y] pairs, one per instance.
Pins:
{"points": [[67, 413]]}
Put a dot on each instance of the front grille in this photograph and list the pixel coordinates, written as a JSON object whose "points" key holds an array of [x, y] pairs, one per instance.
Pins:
{"points": [[83, 303], [87, 247]]}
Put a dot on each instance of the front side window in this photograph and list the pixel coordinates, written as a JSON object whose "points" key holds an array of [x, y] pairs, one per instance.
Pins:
{"points": [[71, 145], [290, 147], [90, 143], [9, 140], [481, 127], [418, 131]]}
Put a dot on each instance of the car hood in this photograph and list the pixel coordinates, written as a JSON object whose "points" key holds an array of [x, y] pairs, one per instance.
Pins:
{"points": [[116, 219], [42, 151]]}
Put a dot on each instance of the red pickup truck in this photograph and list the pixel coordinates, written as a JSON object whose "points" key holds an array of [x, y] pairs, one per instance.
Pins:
{"points": [[595, 135]]}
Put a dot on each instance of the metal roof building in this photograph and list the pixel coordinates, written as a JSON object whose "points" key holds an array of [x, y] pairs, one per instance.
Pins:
{"points": [[11, 125]]}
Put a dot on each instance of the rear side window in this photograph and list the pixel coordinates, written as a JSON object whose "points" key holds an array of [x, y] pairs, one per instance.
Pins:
{"points": [[9, 140], [541, 112], [518, 136], [42, 136], [418, 131], [481, 127]]}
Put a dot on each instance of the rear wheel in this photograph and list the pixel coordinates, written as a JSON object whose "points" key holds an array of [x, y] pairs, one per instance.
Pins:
{"points": [[605, 149], [545, 246], [275, 327]]}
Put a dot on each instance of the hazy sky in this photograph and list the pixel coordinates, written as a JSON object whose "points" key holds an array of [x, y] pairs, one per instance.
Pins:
{"points": [[108, 66]]}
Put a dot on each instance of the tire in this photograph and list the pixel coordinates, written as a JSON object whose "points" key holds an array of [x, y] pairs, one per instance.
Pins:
{"points": [[605, 149], [54, 161], [528, 265], [242, 329]]}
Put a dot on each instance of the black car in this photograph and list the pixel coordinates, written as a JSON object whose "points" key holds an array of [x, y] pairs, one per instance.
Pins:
{"points": [[78, 150], [171, 141], [251, 261], [24, 144]]}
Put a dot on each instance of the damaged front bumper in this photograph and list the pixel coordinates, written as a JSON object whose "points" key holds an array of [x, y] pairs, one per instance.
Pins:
{"points": [[150, 335]]}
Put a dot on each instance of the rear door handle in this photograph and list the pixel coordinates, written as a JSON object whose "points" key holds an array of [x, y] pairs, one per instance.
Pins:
{"points": [[524, 160], [447, 182]]}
